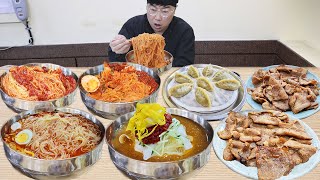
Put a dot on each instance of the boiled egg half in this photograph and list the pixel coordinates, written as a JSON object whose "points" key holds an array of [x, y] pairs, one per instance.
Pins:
{"points": [[90, 83], [24, 136]]}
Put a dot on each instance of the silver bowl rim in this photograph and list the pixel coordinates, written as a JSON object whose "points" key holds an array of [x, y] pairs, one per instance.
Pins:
{"points": [[31, 112], [166, 162], [161, 69], [75, 77], [114, 103]]}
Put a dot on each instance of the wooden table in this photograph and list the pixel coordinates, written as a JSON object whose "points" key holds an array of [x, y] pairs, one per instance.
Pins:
{"points": [[104, 168]]}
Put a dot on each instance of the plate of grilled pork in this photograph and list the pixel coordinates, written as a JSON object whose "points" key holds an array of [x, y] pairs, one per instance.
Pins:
{"points": [[286, 88], [266, 145]]}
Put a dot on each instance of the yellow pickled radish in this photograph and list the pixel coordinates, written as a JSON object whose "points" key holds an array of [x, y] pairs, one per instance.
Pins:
{"points": [[146, 115], [90, 83]]}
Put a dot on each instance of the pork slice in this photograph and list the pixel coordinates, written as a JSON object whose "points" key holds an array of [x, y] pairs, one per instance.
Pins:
{"points": [[264, 118], [270, 80], [295, 156], [300, 72], [244, 122], [306, 82], [273, 162], [292, 72], [290, 89], [293, 124], [284, 68], [299, 102], [252, 163], [283, 105], [257, 77], [276, 92], [281, 115], [227, 155], [268, 106], [293, 133], [292, 82], [257, 94], [313, 105], [305, 151], [314, 89], [230, 126], [249, 138]]}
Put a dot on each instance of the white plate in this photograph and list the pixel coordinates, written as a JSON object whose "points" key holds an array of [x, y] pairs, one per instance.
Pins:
{"points": [[300, 115], [220, 98], [252, 172]]}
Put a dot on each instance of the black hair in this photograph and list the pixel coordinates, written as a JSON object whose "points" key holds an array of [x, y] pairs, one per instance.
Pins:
{"points": [[163, 2]]}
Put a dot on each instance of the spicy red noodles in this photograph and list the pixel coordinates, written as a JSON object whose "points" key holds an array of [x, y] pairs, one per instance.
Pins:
{"points": [[123, 83], [37, 83]]}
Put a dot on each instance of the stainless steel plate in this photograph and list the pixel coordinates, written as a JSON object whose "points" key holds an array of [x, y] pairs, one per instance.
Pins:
{"points": [[113, 110], [160, 170], [19, 105], [219, 115], [45, 169]]}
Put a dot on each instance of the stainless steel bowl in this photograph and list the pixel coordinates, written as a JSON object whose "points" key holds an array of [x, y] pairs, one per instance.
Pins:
{"points": [[219, 115], [19, 105], [111, 110], [167, 56], [45, 169], [159, 170]]}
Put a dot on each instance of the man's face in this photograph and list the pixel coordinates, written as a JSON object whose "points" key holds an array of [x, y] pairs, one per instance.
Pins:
{"points": [[159, 17]]}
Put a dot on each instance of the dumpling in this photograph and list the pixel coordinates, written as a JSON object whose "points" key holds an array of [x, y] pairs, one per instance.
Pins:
{"points": [[193, 72], [221, 74], [180, 90], [207, 71], [204, 83], [202, 97], [228, 84], [181, 78]]}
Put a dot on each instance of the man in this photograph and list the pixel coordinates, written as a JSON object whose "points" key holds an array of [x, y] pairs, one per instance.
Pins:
{"points": [[160, 19]]}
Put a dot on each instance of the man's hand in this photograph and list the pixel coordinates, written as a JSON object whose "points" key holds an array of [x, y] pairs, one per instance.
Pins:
{"points": [[120, 44]]}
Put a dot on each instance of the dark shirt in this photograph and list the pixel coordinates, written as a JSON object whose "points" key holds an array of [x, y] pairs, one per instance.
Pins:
{"points": [[179, 38]]}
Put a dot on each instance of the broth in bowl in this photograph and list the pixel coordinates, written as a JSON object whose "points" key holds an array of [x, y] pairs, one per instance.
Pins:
{"points": [[177, 138], [53, 135], [192, 129], [159, 143], [50, 143]]}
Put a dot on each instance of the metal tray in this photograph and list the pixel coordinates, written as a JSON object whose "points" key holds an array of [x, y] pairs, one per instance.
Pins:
{"points": [[219, 115]]}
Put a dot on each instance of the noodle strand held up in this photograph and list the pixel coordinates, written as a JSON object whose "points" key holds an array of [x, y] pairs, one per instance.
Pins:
{"points": [[149, 50]]}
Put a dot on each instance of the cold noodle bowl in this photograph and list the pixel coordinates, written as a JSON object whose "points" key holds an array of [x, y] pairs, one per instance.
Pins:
{"points": [[53, 135]]}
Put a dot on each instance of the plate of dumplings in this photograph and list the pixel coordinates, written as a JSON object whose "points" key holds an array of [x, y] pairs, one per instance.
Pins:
{"points": [[204, 88]]}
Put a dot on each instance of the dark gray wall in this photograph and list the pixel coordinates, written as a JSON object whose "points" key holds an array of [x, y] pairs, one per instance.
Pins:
{"points": [[223, 53]]}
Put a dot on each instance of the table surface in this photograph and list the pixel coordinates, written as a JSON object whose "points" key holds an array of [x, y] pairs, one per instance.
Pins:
{"points": [[104, 168]]}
